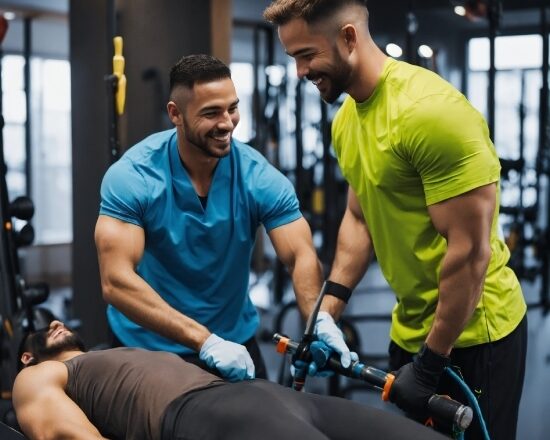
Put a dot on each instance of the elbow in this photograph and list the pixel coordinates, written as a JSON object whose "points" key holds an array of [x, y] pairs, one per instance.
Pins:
{"points": [[290, 265], [480, 259], [482, 256], [108, 289]]}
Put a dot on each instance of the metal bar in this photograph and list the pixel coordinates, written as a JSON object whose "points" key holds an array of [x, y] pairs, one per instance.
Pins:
{"points": [[493, 28], [27, 43], [544, 153]]}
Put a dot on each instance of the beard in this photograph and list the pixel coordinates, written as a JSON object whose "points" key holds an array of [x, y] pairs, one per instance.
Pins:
{"points": [[209, 147], [42, 351], [339, 78]]}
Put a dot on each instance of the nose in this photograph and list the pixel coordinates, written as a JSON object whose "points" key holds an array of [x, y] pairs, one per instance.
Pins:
{"points": [[302, 69], [55, 324], [226, 122]]}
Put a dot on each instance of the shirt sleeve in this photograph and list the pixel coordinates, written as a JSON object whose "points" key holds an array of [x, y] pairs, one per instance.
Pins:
{"points": [[275, 197], [124, 193], [447, 141]]}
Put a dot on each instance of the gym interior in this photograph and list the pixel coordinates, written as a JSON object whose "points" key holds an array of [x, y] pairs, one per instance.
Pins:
{"points": [[62, 130]]}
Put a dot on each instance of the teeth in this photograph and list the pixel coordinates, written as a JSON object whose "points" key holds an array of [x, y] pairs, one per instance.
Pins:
{"points": [[222, 138]]}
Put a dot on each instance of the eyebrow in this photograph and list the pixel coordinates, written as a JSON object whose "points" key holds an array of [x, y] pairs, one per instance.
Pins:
{"points": [[299, 52], [217, 107]]}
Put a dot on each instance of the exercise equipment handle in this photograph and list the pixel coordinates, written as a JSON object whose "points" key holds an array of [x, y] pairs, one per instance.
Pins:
{"points": [[301, 350], [118, 71], [441, 408]]}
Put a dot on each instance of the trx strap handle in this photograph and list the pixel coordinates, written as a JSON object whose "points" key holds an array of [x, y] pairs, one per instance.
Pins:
{"points": [[441, 407]]}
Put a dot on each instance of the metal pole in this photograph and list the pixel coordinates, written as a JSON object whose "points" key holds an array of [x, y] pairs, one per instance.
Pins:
{"points": [[27, 43], [494, 18], [544, 155]]}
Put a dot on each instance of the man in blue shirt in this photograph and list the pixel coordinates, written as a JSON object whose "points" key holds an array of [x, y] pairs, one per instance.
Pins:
{"points": [[178, 218]]}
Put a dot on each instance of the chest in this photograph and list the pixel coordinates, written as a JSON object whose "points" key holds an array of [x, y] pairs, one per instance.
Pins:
{"points": [[373, 157]]}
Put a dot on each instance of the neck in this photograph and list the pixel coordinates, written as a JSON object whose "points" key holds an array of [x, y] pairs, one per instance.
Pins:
{"points": [[66, 355], [199, 166], [371, 65]]}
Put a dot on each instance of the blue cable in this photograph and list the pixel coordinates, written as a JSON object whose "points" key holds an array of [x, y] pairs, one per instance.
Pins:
{"points": [[472, 400]]}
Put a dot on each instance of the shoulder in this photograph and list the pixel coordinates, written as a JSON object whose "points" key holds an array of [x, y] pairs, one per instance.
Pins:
{"points": [[148, 153], [253, 165], [151, 145], [146, 162], [39, 377], [448, 112], [246, 155]]}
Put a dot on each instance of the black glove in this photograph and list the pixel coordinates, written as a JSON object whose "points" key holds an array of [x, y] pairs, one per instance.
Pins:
{"points": [[417, 381]]}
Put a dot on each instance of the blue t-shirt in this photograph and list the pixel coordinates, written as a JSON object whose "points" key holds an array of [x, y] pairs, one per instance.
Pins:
{"points": [[196, 258]]}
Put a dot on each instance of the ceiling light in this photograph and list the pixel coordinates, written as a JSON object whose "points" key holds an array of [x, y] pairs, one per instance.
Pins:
{"points": [[393, 50], [425, 51], [460, 10]]}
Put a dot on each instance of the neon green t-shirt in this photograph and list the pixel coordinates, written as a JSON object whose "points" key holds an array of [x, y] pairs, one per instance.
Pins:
{"points": [[415, 142]]}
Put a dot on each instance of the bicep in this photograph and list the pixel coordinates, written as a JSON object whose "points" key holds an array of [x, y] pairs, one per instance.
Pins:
{"points": [[119, 244], [354, 207], [291, 239], [43, 408], [54, 413], [467, 217]]}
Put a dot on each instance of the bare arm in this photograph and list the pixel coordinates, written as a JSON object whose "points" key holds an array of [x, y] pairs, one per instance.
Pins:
{"points": [[465, 221], [120, 247], [354, 251], [43, 409], [294, 247]]}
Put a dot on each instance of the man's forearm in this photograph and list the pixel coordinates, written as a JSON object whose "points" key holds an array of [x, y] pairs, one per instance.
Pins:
{"points": [[353, 254], [307, 275], [135, 298], [460, 286]]}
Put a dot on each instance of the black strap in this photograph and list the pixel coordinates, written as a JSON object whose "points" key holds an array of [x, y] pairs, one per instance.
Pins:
{"points": [[338, 290]]}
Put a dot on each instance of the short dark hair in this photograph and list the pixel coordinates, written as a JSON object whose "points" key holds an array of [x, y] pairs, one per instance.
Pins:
{"points": [[199, 68], [280, 12]]}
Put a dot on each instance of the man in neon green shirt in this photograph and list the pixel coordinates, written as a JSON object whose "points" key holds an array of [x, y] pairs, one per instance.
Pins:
{"points": [[424, 192]]}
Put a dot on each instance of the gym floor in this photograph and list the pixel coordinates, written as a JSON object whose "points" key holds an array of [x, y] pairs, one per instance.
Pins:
{"points": [[374, 297]]}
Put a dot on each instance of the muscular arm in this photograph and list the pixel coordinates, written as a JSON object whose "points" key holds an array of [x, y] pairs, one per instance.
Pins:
{"points": [[120, 247], [294, 247], [353, 253], [43, 409], [465, 222]]}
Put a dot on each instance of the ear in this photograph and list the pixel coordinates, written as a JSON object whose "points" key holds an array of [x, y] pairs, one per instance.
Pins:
{"points": [[26, 358], [348, 33], [174, 113]]}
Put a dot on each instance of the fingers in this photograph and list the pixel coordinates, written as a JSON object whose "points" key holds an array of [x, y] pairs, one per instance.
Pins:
{"points": [[250, 367], [232, 360], [237, 367], [328, 332]]}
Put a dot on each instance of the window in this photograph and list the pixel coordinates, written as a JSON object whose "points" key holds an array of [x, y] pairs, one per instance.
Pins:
{"points": [[242, 75], [518, 60], [15, 114], [518, 80], [51, 142]]}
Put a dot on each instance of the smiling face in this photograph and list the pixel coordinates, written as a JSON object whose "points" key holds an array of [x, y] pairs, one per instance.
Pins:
{"points": [[49, 343], [207, 114], [317, 58]]}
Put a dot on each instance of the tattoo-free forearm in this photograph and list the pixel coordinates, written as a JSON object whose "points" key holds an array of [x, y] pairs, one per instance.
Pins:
{"points": [[353, 253], [306, 276], [461, 282], [134, 297]]}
